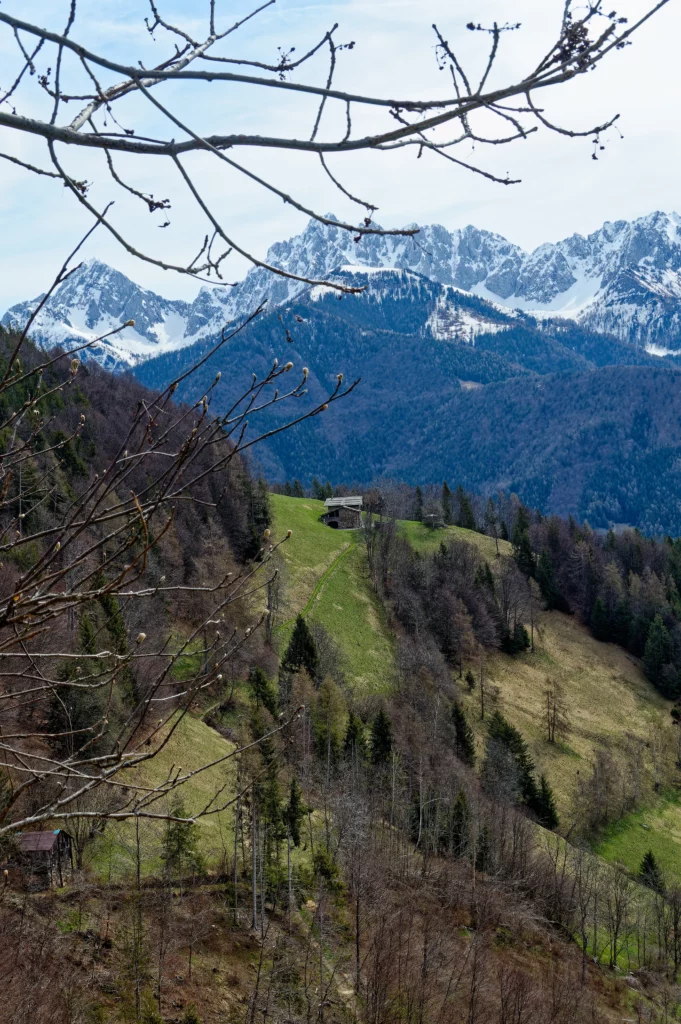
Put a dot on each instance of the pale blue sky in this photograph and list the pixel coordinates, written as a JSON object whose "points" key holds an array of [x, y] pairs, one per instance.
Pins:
{"points": [[562, 191]]}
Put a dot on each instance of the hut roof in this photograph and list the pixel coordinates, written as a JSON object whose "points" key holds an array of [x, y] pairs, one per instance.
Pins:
{"points": [[37, 842], [353, 501]]}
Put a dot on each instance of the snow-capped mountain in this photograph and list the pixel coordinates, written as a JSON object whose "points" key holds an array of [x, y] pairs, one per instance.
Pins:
{"points": [[624, 280]]}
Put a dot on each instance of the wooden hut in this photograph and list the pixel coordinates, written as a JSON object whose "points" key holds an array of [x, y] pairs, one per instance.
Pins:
{"points": [[343, 513], [46, 854]]}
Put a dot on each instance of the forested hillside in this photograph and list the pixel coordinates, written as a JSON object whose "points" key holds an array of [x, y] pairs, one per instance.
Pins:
{"points": [[440, 718], [573, 422]]}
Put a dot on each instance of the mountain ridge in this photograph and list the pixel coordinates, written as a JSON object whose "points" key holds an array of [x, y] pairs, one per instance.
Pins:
{"points": [[623, 280]]}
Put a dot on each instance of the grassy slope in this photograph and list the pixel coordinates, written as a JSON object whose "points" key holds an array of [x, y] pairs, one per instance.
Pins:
{"points": [[192, 745], [326, 578], [657, 828], [606, 693], [607, 696], [422, 538]]}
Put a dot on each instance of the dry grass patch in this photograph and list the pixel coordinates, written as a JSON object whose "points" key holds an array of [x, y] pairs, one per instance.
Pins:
{"points": [[608, 700]]}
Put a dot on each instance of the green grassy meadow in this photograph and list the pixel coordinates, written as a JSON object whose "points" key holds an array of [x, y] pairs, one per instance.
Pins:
{"points": [[326, 578], [656, 828], [192, 745], [423, 538]]}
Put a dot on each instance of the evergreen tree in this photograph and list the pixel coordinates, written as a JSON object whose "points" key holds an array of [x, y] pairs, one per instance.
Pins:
{"points": [[546, 805], [503, 531], [318, 490], [269, 802], [650, 874], [516, 640], [465, 518], [546, 579], [492, 521], [600, 625], [381, 739], [657, 652], [294, 812], [180, 843], [354, 744], [418, 505], [302, 650], [482, 850], [522, 550], [465, 742], [447, 510], [522, 520], [483, 578], [86, 634], [328, 490], [460, 824], [470, 680], [298, 491], [504, 732], [262, 693]]}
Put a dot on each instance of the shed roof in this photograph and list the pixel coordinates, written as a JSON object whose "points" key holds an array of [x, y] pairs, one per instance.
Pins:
{"points": [[37, 842], [352, 501]]}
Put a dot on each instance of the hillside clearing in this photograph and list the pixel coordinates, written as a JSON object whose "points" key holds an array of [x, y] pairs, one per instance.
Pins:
{"points": [[192, 745], [608, 699], [423, 538], [655, 828], [326, 578]]}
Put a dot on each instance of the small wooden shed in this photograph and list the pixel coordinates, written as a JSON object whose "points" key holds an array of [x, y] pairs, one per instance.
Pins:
{"points": [[46, 854], [343, 513]]}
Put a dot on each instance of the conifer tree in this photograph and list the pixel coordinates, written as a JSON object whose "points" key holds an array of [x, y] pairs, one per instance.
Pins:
{"points": [[546, 579], [465, 742], [483, 578], [302, 650], [522, 551], [381, 739], [447, 509], [354, 744], [657, 652], [546, 805], [318, 490], [460, 824], [465, 518], [650, 874], [600, 625], [262, 693], [470, 680], [86, 634], [418, 505], [482, 850], [180, 842], [504, 732], [294, 812], [492, 522], [298, 491]]}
